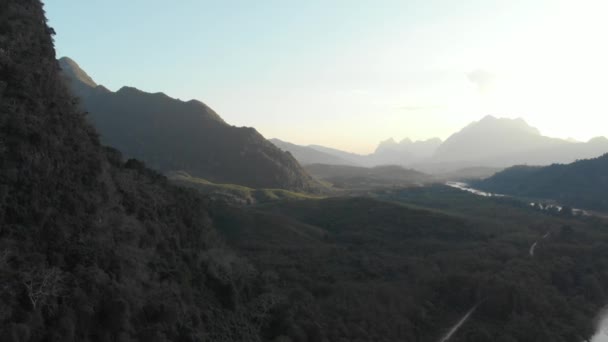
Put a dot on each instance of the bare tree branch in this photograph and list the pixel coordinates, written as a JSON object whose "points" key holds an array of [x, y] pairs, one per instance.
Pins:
{"points": [[43, 285]]}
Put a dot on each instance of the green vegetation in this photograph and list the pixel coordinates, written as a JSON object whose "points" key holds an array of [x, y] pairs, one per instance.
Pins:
{"points": [[582, 184], [363, 178], [359, 269], [95, 248], [236, 194]]}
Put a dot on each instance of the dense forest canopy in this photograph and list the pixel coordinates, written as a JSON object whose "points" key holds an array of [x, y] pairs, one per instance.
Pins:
{"points": [[582, 184], [93, 248], [97, 248], [362, 269]]}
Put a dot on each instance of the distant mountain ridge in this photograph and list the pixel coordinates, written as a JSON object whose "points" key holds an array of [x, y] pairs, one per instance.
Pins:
{"points": [[582, 184], [171, 135], [309, 155], [388, 152], [491, 136], [405, 152], [491, 142], [501, 142]]}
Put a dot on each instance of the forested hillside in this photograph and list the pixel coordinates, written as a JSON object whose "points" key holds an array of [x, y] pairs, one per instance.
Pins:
{"points": [[359, 269], [582, 184], [93, 248], [96, 248]]}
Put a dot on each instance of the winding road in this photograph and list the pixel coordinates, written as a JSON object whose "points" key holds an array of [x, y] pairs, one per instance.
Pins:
{"points": [[602, 330], [535, 244], [533, 248], [458, 325]]}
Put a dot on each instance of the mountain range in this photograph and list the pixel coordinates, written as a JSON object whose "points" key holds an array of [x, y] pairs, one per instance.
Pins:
{"points": [[309, 155], [95, 247], [389, 152], [404, 152], [173, 135], [490, 143]]}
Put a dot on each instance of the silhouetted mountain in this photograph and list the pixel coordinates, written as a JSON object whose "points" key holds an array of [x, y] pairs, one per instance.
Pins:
{"points": [[169, 135], [389, 152], [353, 177], [582, 184], [494, 142], [73, 71], [491, 143], [353, 158], [405, 152], [93, 248], [308, 155]]}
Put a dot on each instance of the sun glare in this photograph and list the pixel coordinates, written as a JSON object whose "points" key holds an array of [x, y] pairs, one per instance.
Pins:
{"points": [[554, 70]]}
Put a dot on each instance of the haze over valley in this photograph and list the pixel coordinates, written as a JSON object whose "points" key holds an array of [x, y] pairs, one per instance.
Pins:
{"points": [[490, 142], [425, 171]]}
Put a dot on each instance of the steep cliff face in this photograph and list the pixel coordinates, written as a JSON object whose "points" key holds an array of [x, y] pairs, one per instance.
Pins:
{"points": [[172, 135], [93, 248]]}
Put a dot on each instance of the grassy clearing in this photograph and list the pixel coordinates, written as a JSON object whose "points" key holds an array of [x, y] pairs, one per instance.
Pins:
{"points": [[237, 193]]}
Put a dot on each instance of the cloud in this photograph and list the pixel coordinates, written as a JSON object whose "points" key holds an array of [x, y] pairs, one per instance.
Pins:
{"points": [[483, 79]]}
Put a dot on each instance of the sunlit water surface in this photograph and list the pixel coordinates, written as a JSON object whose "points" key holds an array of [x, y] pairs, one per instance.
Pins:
{"points": [[602, 334]]}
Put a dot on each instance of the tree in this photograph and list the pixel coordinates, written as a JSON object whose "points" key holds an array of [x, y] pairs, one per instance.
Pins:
{"points": [[43, 285]]}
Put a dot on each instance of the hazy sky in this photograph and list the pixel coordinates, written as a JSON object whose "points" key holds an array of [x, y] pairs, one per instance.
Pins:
{"points": [[350, 73]]}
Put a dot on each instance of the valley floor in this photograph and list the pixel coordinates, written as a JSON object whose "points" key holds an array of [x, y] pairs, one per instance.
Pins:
{"points": [[405, 264]]}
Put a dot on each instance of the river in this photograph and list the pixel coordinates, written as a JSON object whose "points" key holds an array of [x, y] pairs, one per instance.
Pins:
{"points": [[600, 337], [550, 206], [467, 188]]}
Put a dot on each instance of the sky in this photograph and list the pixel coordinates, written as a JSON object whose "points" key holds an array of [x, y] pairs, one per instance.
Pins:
{"points": [[348, 73]]}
